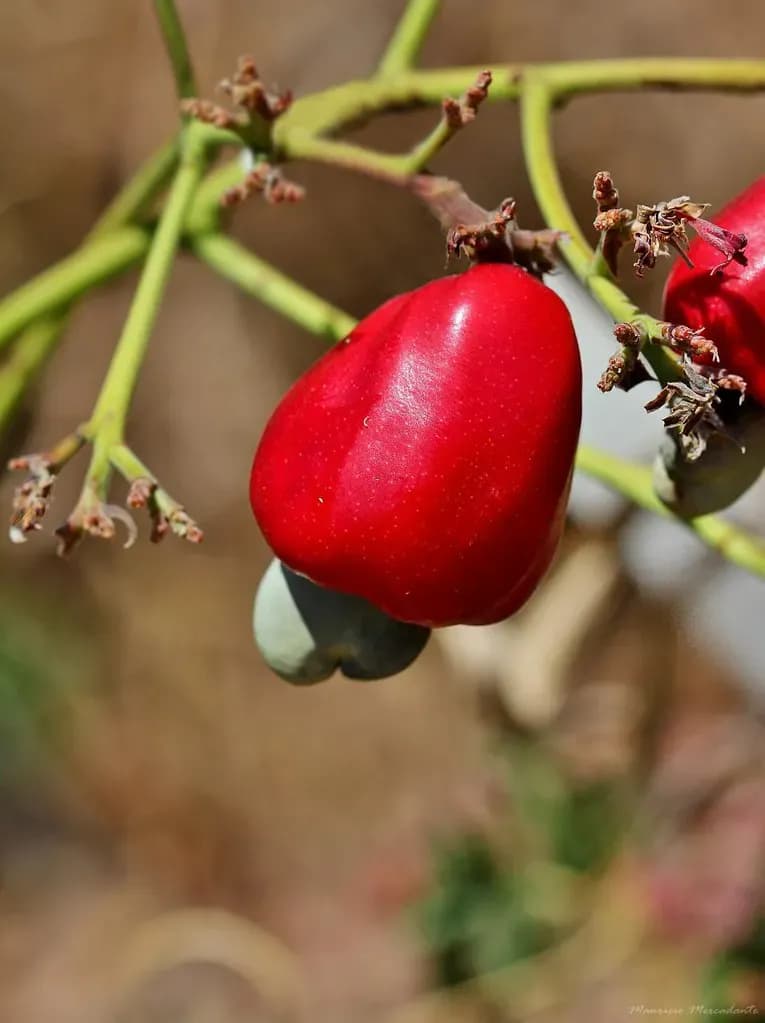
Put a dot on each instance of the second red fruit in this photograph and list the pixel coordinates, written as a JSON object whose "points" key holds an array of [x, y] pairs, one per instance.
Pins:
{"points": [[424, 462], [730, 305]]}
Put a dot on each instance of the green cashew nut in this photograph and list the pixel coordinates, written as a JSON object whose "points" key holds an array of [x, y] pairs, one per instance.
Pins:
{"points": [[722, 473], [306, 632]]}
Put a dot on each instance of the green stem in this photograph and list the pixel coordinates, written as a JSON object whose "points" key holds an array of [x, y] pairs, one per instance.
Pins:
{"points": [[634, 482], [135, 197], [94, 263], [38, 341], [537, 100], [27, 358], [177, 50], [409, 36], [355, 102], [579, 77], [335, 108], [274, 289], [109, 414], [387, 167]]}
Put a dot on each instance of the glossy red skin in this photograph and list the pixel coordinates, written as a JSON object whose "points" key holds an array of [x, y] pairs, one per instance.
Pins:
{"points": [[730, 306], [424, 463]]}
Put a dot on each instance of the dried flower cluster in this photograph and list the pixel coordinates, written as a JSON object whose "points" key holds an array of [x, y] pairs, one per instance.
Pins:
{"points": [[693, 406], [266, 179], [256, 108], [660, 229], [693, 401], [92, 516]]}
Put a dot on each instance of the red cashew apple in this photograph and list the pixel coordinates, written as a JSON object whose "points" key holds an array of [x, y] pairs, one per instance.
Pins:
{"points": [[424, 462], [729, 305]]}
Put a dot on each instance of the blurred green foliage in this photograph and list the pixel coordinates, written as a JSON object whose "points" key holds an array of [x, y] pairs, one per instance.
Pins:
{"points": [[486, 909]]}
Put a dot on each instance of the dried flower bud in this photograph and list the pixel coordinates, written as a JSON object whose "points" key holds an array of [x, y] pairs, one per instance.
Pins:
{"points": [[141, 492], [731, 245], [731, 382], [612, 220], [247, 92], [662, 227], [690, 342], [614, 373], [265, 179], [458, 113], [628, 334], [604, 191], [32, 499]]}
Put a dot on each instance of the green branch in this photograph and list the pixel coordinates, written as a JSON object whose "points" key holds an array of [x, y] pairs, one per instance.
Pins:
{"points": [[27, 358], [134, 199], [537, 101], [273, 288], [106, 427], [177, 50], [635, 483], [53, 289], [329, 111], [409, 36], [353, 103], [111, 408], [33, 347], [572, 78]]}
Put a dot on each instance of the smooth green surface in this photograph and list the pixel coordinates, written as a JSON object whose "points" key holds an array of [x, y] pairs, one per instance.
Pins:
{"points": [[306, 632]]}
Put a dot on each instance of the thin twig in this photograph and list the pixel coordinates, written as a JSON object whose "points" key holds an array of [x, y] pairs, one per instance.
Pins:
{"points": [[408, 37], [33, 347], [55, 288], [279, 292], [177, 50]]}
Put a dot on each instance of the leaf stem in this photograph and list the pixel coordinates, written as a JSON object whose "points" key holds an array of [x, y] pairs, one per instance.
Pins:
{"points": [[408, 37]]}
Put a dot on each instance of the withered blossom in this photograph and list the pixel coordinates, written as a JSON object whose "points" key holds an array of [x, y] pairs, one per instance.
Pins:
{"points": [[659, 229], [692, 405]]}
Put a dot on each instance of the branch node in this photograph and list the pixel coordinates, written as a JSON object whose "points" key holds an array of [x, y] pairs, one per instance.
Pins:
{"points": [[256, 107], [694, 408]]}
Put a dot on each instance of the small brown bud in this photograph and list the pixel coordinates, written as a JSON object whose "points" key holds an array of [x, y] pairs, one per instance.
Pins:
{"points": [[686, 341], [628, 334], [604, 192], [614, 372], [141, 492], [458, 113]]}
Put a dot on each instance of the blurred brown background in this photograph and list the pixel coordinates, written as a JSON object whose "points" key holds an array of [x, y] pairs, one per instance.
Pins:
{"points": [[153, 764]]}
